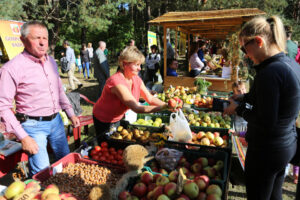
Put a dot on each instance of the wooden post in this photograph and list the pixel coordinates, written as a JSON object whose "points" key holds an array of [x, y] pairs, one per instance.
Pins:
{"points": [[165, 51], [176, 33], [189, 46]]}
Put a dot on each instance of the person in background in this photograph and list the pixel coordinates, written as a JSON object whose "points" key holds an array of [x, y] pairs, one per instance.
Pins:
{"points": [[196, 64], [70, 55], [91, 55], [63, 62], [291, 46], [152, 64], [226, 64], [85, 60], [170, 50], [31, 80], [238, 88], [131, 42], [172, 67], [122, 92], [101, 71], [270, 111], [202, 47], [78, 64]]}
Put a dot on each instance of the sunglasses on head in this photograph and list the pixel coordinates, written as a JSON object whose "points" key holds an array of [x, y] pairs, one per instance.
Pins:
{"points": [[243, 48]]}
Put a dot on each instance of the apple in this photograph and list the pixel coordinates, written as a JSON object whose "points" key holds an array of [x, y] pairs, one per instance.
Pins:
{"points": [[191, 189], [173, 176], [52, 196], [196, 167], [147, 177], [210, 171], [158, 191], [220, 163], [201, 196], [205, 141], [14, 189], [203, 161], [190, 175], [133, 198], [151, 187], [200, 183], [150, 195], [200, 135], [139, 190], [216, 134], [214, 189], [156, 176], [172, 103], [218, 141], [182, 161], [49, 191], [213, 197], [163, 197], [162, 180], [170, 189], [205, 178]]}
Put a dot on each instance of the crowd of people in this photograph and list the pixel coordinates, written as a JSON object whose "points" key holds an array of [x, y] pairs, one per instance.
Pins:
{"points": [[271, 107]]}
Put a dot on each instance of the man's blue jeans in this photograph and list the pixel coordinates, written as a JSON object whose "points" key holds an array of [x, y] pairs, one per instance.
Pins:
{"points": [[43, 132]]}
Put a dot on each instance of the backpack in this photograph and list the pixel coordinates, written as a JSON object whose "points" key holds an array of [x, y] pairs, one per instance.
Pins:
{"points": [[156, 65], [64, 65]]}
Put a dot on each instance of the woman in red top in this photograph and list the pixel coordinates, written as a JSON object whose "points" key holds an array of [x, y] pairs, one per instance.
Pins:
{"points": [[122, 92]]}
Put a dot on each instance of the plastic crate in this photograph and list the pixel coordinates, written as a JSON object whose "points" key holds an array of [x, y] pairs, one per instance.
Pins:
{"points": [[70, 158], [198, 147]]}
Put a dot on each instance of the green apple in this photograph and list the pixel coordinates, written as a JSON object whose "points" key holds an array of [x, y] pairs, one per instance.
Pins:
{"points": [[191, 189]]}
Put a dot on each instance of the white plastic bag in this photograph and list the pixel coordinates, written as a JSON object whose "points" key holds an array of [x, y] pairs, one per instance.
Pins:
{"points": [[179, 127]]}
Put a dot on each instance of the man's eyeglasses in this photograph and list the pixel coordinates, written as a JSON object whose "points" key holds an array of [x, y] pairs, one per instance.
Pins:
{"points": [[243, 48]]}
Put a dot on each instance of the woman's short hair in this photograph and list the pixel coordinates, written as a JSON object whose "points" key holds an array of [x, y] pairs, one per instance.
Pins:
{"points": [[271, 29], [131, 54]]}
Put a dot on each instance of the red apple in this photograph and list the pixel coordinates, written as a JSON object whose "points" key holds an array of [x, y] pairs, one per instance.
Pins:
{"points": [[124, 195], [203, 161], [147, 177], [156, 176], [172, 103], [200, 183], [182, 161], [205, 178], [170, 189], [216, 134], [213, 197], [158, 191], [139, 190], [151, 187]]}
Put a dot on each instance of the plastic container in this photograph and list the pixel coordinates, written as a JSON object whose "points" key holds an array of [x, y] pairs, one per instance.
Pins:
{"points": [[70, 158]]}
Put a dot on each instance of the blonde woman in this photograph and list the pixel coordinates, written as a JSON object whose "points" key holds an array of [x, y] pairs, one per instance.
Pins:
{"points": [[122, 92], [271, 108]]}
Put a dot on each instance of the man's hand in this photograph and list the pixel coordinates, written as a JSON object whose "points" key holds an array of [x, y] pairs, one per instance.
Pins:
{"points": [[29, 145], [75, 121]]}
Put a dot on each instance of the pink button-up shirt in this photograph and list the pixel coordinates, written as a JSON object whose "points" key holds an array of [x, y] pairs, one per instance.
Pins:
{"points": [[36, 88]]}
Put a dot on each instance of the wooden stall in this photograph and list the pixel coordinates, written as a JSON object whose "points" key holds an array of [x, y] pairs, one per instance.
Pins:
{"points": [[212, 25]]}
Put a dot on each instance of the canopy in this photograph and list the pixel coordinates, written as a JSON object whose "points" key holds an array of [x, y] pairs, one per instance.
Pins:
{"points": [[213, 24]]}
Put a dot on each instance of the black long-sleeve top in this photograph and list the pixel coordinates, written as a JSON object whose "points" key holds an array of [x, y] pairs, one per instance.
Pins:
{"points": [[84, 54], [272, 104]]}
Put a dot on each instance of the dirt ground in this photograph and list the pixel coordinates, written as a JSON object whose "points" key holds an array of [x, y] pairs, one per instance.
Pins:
{"points": [[236, 191]]}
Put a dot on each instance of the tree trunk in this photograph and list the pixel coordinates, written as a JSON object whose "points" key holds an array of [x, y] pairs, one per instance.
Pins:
{"points": [[83, 35]]}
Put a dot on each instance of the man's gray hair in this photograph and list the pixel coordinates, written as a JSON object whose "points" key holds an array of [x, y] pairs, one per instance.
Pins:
{"points": [[25, 27], [102, 43]]}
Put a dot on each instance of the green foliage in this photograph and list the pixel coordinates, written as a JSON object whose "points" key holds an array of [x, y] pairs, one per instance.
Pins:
{"points": [[202, 85], [11, 10]]}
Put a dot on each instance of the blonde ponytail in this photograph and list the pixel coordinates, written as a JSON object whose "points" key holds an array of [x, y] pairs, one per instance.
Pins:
{"points": [[271, 29]]}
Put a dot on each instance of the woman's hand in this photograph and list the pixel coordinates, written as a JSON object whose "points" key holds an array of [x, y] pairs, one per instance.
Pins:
{"points": [[231, 108]]}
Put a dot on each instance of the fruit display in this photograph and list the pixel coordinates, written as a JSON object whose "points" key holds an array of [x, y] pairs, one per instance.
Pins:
{"points": [[32, 190], [155, 122], [135, 135], [203, 102], [210, 139], [175, 103], [107, 154], [79, 178], [209, 119], [199, 184], [186, 94]]}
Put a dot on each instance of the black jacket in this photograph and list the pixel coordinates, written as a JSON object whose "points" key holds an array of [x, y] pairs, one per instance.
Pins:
{"points": [[272, 104]]}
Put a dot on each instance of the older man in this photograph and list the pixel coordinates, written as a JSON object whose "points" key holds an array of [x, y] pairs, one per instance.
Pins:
{"points": [[31, 80], [101, 71]]}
